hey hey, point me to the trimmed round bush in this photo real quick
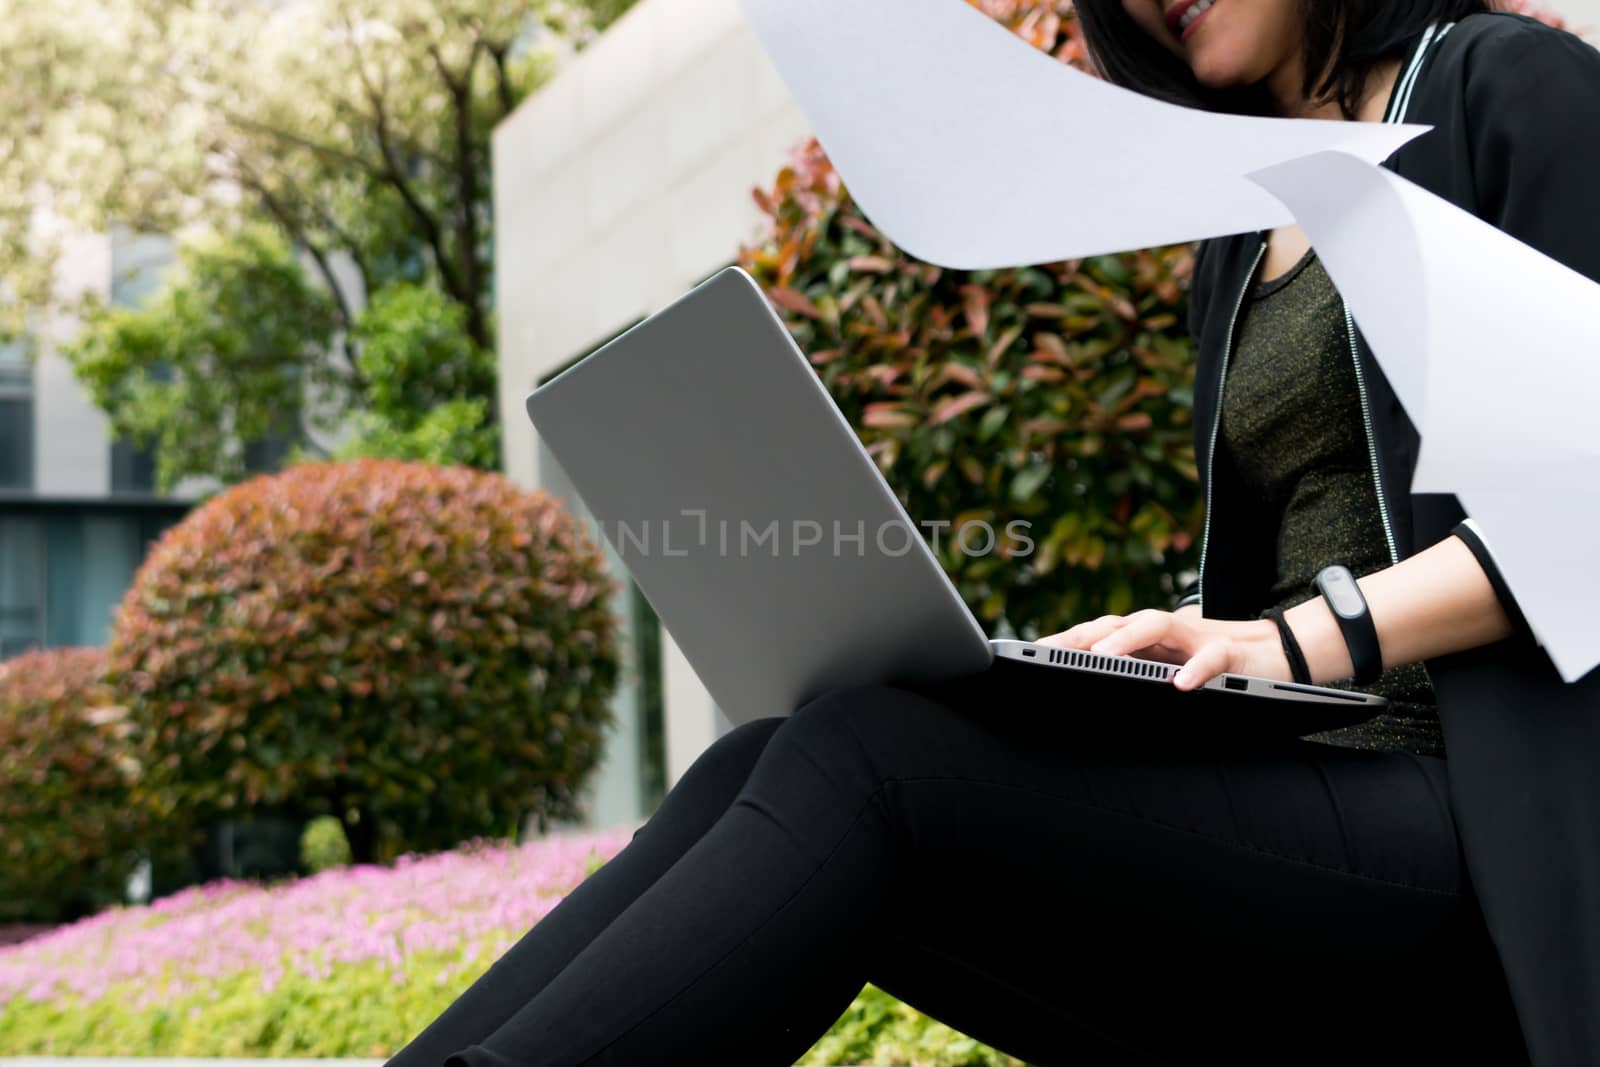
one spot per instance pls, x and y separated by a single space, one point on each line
426 653
68 837
323 846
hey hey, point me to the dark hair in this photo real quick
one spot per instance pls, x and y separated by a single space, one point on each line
1344 39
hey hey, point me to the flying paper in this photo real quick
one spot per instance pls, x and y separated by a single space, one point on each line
1496 367
970 148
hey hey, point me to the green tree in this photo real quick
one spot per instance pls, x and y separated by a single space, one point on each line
227 353
426 382
358 130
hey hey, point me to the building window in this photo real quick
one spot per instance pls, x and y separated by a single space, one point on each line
16 441
89 560
265 455
16 418
21 584
64 570
133 469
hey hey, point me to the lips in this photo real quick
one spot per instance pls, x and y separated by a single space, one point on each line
1185 14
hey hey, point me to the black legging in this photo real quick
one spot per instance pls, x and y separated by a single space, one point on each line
1068 901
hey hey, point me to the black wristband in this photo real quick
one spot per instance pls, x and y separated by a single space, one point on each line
1338 587
1291 647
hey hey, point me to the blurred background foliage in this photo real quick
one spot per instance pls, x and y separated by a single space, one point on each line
70 836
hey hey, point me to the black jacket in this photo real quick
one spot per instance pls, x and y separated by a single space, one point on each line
1515 111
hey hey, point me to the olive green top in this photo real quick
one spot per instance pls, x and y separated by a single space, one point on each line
1292 421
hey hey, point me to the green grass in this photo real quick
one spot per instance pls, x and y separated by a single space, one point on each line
361 1012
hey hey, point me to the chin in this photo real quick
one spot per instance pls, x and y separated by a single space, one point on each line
1216 69
1226 78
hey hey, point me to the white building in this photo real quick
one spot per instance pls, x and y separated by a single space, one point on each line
618 186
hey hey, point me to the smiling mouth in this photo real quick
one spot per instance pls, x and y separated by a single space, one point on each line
1184 15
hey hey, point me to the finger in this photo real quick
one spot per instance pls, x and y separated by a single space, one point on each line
1210 661
1146 628
1085 633
1164 653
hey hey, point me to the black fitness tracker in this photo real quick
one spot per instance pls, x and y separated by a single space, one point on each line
1338 587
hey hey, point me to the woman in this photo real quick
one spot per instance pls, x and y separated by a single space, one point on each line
1121 900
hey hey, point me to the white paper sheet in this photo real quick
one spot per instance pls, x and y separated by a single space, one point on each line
970 148
1494 350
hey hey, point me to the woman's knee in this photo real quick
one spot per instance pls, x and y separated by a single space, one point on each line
730 757
827 766
859 727
715 777
863 710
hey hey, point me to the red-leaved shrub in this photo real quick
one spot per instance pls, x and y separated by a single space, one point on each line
1050 401
68 836
425 652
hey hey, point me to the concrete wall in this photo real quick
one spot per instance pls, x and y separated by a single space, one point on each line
618 186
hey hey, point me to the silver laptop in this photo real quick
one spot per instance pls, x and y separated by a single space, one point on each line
741 501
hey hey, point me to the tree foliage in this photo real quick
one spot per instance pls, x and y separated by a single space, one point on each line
357 129
360 127
227 353
426 382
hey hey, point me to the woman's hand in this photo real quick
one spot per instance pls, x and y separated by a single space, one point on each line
1205 647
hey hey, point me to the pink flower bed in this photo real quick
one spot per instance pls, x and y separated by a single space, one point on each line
480 898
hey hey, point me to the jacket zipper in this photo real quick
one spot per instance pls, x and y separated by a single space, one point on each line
1414 67
1372 443
1216 421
